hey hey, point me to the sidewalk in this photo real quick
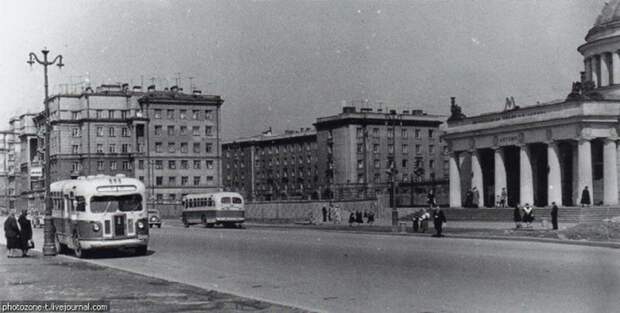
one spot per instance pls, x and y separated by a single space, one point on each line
39 278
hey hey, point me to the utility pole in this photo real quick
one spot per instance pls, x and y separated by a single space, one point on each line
49 248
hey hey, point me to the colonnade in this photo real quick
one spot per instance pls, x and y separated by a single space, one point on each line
603 69
581 169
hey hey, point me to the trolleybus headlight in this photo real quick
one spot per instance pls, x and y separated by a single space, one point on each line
96 227
140 224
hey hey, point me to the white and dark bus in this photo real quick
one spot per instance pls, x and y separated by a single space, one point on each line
99 212
210 209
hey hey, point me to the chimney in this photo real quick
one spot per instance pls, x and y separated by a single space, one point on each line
151 88
452 100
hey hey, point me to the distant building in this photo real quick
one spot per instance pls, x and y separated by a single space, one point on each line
350 155
168 139
270 167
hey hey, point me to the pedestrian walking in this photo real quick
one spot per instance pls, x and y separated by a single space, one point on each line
351 219
475 197
504 198
324 211
337 215
554 215
329 211
430 198
26 232
517 216
424 220
12 235
371 218
585 197
358 217
439 219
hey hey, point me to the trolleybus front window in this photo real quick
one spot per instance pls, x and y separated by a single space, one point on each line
107 204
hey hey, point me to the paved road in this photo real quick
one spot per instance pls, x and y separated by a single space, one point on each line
347 272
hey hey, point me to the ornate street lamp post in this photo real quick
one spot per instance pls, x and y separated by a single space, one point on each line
49 249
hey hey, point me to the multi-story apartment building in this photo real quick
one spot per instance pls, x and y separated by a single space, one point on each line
28 161
268 167
7 170
168 139
354 154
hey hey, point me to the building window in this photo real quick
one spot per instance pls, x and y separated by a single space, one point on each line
417 134
172 180
195 114
124 114
360 148
158 129
209 164
359 132
405 148
430 133
159 180
184 147
183 130
360 163
208 114
100 165
184 180
431 164
209 179
159 164
125 132
208 131
112 148
375 148
208 147
141 164
418 149
75 166
141 178
390 132
75 149
111 131
126 165
75 115
158 147
184 164
172 196
170 114
171 147
159 197
196 130
110 114
170 130
404 163
377 178
183 114
113 165
75 132
125 148
431 149
172 164
196 164
377 163
196 147
99 131
403 133
157 113
99 148
99 114
390 148
196 180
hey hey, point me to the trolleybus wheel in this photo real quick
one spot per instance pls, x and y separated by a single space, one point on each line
77 249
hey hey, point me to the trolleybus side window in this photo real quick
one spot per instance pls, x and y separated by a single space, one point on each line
225 200
80 204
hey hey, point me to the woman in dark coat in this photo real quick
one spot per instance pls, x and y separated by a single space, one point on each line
26 231
585 197
517 216
12 234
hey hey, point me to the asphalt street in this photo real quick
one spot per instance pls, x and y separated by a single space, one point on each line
353 272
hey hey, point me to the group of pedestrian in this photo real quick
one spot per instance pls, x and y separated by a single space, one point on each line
526 215
420 220
331 214
358 217
18 234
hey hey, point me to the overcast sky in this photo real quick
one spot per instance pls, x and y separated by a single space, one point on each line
284 63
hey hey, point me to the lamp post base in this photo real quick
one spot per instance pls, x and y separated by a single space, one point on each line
49 248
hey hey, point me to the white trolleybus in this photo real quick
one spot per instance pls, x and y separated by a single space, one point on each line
209 209
99 212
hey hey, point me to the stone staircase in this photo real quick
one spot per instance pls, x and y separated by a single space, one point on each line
566 214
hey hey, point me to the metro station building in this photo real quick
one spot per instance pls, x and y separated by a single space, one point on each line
547 152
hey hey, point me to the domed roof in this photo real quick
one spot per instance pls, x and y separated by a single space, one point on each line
610 13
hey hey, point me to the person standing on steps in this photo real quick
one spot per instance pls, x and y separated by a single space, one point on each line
585 197
554 215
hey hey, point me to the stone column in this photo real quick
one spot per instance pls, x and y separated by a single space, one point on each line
476 175
526 180
455 182
584 173
615 66
554 191
500 172
596 70
587 62
610 172
605 70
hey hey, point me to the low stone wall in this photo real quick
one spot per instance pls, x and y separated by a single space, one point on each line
291 211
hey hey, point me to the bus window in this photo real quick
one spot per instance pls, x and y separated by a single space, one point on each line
237 200
103 204
81 204
210 202
225 200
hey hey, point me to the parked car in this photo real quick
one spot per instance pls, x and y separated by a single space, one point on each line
154 218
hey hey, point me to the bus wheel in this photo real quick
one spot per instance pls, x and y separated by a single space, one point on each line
77 249
185 223
203 219
141 250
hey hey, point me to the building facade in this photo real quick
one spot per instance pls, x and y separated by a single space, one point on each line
351 155
168 139
548 152
270 167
